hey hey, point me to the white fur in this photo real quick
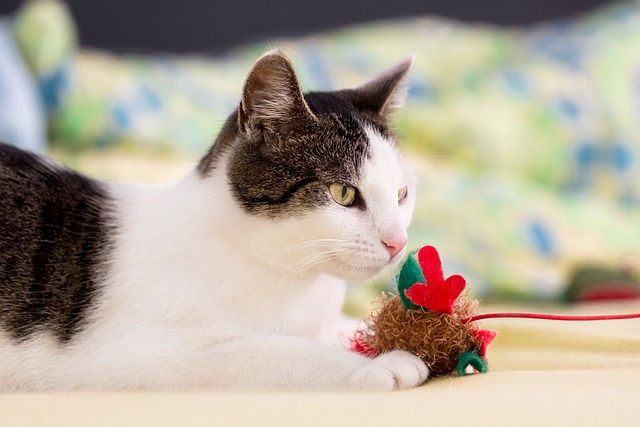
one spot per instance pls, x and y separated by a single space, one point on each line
201 295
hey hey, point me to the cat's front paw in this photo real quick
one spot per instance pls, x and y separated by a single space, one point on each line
395 370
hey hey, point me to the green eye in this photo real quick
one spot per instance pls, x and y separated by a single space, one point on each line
343 194
402 193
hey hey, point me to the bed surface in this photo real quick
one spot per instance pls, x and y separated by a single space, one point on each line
557 373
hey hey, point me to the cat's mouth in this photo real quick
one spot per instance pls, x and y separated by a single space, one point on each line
397 258
364 270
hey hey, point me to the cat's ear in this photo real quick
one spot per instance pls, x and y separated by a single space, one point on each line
386 91
272 96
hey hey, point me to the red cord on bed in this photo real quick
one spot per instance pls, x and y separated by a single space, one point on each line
551 317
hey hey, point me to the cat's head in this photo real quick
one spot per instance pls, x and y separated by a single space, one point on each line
319 176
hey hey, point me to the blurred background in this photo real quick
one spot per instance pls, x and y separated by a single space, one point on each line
206 26
521 121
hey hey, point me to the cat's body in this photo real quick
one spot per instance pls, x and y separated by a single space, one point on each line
233 278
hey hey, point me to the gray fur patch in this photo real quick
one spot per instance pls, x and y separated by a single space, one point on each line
54 240
291 172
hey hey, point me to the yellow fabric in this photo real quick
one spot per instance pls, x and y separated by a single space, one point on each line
542 373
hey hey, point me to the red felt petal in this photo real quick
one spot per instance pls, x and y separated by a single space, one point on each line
436 298
437 294
431 266
456 285
419 294
358 346
486 337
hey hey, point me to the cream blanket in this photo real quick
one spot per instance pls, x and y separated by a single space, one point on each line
553 373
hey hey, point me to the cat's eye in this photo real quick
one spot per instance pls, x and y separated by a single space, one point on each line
343 194
402 193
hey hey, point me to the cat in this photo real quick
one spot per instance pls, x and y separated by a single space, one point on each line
231 279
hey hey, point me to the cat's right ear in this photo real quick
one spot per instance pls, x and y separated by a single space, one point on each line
385 92
272 97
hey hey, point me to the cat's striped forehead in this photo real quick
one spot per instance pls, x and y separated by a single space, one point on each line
339 105
283 149
292 175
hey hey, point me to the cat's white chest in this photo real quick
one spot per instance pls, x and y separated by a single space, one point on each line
308 310
317 308
190 255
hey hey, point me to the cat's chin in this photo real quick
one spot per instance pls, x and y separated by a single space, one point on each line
363 271
360 273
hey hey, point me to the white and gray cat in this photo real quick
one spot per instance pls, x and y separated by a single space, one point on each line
234 277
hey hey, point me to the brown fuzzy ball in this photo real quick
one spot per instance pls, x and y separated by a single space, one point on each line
436 338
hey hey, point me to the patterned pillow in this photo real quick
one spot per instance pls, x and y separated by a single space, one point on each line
22 119
526 140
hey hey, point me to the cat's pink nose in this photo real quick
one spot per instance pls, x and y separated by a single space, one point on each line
395 246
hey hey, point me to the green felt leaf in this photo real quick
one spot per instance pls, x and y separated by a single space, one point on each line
471 358
409 275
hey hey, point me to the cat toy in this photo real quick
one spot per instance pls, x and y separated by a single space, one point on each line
432 318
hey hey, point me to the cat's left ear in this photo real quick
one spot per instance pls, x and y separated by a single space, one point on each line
385 92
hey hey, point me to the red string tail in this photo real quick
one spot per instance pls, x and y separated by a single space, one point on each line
516 315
